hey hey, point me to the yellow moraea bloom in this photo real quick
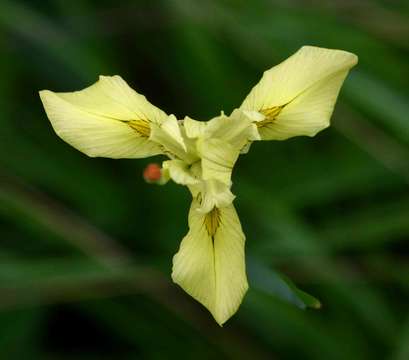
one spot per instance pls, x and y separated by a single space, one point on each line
109 119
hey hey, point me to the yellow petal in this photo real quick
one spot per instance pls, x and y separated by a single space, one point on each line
180 172
112 97
169 135
308 113
280 88
92 133
214 194
218 159
210 264
194 128
236 129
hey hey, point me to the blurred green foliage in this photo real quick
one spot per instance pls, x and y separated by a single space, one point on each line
86 245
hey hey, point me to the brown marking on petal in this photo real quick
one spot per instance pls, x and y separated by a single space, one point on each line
270 114
212 221
141 127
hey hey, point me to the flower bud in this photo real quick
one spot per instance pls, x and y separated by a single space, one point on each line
152 173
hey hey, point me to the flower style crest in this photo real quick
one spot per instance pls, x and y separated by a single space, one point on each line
109 119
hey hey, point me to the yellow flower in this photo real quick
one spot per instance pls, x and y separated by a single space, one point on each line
109 119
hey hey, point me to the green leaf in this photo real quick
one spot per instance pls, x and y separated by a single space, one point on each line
270 282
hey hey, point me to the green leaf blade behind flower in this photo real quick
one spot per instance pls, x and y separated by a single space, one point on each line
272 283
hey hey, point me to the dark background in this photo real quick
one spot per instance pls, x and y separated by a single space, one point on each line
86 245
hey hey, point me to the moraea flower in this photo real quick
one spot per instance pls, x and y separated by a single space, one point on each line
109 119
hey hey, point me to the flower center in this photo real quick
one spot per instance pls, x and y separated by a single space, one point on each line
270 114
212 221
141 127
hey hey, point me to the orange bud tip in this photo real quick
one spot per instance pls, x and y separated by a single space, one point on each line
152 173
